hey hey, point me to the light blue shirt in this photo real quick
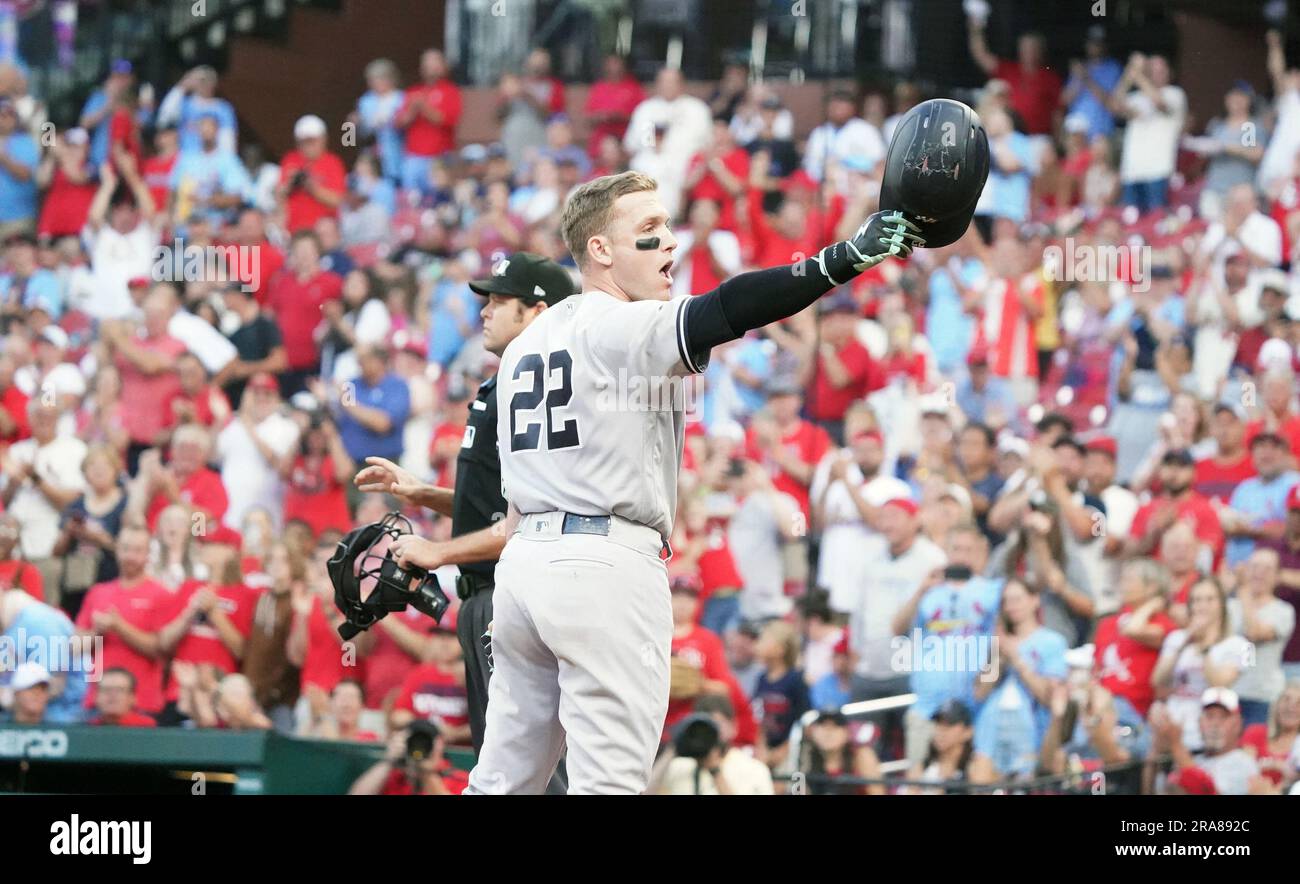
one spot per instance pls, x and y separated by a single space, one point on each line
445 338
391 396
18 198
377 113
211 174
1106 72
41 627
1011 189
100 134
1262 502
1011 724
949 328
958 622
754 355
43 288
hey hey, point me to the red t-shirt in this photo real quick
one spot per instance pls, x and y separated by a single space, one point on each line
620 98
66 207
144 394
1256 737
201 401
444 448
130 719
302 210
201 643
1183 589
22 575
323 665
202 490
704 650
14 402
425 138
1193 507
806 441
717 567
387 665
454 779
432 693
267 262
157 174
1124 665
771 249
123 132
297 304
827 402
1034 94
316 496
710 188
1216 480
145 607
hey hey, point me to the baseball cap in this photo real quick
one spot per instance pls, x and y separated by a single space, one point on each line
833 715
1180 457
840 301
687 583
474 153
1076 124
1013 445
529 277
121 66
952 712
905 504
782 385
224 535
1225 697
52 334
1104 445
1233 409
771 102
28 675
136 282
868 434
978 356
263 380
309 126
1274 279
76 136
1270 437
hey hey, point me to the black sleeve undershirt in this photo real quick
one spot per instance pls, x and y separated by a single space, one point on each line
761 297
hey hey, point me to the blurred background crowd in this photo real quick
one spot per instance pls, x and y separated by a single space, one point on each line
1020 512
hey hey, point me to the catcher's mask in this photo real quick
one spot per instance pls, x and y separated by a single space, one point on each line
935 169
368 584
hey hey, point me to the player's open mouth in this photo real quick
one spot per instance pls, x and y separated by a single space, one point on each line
664 271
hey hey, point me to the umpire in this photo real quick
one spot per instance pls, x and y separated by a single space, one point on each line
517 292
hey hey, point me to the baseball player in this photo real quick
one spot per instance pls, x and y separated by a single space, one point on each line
583 619
519 290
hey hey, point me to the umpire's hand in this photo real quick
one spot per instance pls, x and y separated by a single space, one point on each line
410 550
382 476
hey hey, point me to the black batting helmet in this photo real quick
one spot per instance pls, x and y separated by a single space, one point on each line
936 167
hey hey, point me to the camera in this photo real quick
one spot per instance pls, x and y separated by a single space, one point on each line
421 740
298 179
697 736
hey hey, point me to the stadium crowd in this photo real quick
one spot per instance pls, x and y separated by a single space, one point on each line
1044 479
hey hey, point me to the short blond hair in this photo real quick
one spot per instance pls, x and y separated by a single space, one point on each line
591 208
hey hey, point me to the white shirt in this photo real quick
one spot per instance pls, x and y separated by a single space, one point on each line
251 481
886 585
1264 237
744 776
726 251
856 138
1188 678
202 339
845 537
1151 136
1121 507
59 462
115 259
1284 143
689 125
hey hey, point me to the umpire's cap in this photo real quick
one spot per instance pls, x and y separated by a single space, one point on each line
936 167
528 277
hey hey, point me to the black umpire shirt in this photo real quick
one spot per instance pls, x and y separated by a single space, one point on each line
478 501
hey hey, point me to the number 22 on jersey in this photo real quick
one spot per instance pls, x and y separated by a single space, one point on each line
552 388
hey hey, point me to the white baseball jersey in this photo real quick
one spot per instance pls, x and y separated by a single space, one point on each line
591 402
